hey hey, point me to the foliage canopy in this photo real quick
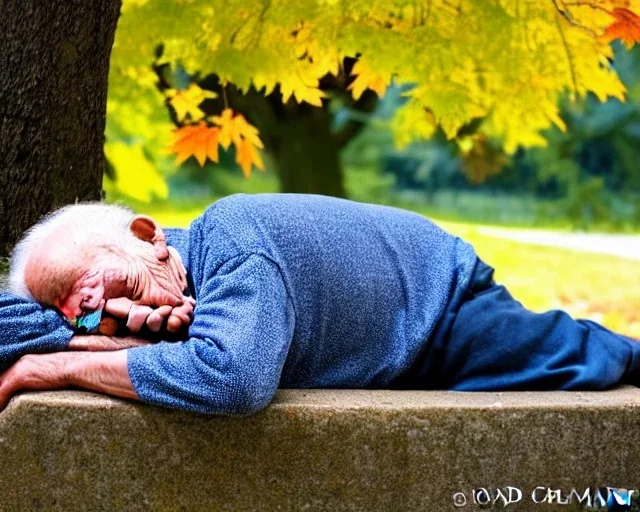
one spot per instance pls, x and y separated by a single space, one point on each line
501 64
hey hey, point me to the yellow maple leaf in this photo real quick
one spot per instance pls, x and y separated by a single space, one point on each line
506 62
199 140
366 78
227 127
412 122
234 127
303 86
246 131
187 101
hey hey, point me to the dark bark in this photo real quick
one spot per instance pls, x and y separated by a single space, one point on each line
54 62
306 155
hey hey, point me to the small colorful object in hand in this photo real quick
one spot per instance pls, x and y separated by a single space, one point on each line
89 323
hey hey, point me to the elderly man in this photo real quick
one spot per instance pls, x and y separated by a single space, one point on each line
290 290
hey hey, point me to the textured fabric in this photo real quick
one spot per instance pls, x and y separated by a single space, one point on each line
487 341
27 328
300 291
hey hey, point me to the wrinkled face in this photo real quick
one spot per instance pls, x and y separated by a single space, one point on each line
141 268
141 277
87 295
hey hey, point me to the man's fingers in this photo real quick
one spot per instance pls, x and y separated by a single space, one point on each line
157 317
175 314
164 297
174 324
137 317
119 307
183 313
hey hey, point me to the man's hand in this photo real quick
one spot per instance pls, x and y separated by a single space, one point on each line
137 316
105 372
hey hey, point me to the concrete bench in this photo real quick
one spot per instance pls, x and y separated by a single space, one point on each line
319 450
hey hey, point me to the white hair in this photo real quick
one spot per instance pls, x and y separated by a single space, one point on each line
82 221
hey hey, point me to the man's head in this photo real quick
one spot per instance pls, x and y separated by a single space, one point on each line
83 254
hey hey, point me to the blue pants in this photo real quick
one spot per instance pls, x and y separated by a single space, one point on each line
488 341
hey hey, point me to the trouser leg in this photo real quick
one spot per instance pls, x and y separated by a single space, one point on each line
495 343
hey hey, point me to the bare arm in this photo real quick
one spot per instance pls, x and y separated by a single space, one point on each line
95 362
105 372
100 343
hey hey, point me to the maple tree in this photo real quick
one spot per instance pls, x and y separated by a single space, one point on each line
254 74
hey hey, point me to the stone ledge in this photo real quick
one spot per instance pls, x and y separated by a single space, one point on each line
315 450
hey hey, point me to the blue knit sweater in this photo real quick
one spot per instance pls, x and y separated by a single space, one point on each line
296 291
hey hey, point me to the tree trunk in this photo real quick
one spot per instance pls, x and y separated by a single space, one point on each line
306 155
54 62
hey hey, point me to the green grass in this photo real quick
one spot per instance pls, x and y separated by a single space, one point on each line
602 288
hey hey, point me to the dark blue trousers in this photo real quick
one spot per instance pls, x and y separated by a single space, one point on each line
486 341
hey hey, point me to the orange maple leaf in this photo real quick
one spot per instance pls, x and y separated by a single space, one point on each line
625 27
199 140
234 128
247 155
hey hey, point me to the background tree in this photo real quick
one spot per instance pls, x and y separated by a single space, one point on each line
481 70
54 61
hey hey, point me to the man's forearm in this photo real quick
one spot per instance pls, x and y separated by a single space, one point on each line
105 372
101 343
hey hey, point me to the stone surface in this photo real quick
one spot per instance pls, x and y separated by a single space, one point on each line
315 450
54 61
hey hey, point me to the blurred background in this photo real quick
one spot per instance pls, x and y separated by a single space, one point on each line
559 223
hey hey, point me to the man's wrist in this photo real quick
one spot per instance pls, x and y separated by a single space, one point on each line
105 372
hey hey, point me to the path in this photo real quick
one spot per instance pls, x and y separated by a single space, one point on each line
626 246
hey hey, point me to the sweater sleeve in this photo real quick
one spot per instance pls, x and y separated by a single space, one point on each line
238 342
28 328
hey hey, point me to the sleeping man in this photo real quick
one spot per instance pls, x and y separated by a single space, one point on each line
293 291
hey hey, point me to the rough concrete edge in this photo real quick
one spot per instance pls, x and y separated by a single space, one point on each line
354 399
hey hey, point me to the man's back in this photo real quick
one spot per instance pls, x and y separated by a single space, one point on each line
367 283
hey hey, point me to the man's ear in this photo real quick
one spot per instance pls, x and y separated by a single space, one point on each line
148 230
